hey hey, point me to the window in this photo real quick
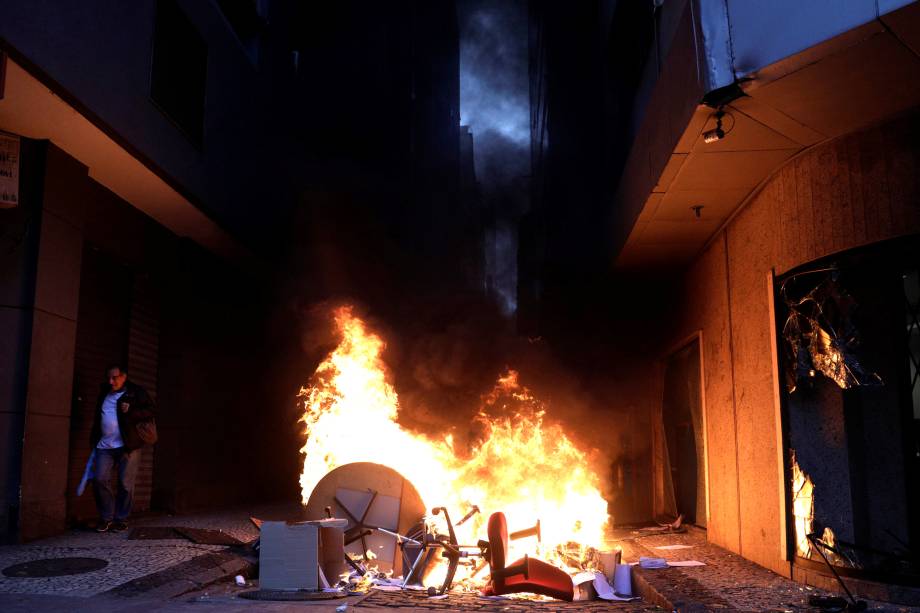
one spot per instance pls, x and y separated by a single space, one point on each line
851 327
179 71
912 306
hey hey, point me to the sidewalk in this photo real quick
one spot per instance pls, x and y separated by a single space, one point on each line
131 562
177 575
727 582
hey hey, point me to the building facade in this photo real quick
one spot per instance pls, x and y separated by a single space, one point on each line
772 179
175 160
146 199
757 193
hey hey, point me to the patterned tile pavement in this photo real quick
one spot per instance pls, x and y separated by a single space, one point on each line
128 559
727 582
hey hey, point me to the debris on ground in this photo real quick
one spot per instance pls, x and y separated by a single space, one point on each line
649 562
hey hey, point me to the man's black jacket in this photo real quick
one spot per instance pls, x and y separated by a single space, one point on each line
140 409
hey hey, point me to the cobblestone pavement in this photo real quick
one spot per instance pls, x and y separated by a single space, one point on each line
128 560
728 582
473 602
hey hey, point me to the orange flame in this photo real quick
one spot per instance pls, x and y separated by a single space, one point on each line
803 513
803 508
522 465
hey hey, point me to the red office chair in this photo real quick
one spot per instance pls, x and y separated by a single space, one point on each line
526 575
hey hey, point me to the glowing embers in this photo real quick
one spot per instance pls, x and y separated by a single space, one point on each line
517 462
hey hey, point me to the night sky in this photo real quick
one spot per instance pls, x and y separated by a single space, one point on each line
494 99
495 103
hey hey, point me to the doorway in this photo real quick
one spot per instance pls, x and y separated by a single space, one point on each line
682 424
117 320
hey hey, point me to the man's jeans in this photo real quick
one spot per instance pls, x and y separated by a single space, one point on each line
125 463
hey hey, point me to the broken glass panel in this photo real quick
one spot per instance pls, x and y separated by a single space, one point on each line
912 303
819 333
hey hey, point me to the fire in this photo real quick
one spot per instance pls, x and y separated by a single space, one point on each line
521 464
803 508
803 512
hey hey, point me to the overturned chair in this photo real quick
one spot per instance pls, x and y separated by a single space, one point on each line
525 575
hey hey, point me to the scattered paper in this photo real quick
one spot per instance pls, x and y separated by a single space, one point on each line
605 591
87 473
341 608
646 562
669 547
387 588
438 597
686 563
583 577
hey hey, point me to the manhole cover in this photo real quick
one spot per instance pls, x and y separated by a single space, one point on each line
55 567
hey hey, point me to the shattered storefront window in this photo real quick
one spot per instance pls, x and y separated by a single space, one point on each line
850 343
819 333
912 304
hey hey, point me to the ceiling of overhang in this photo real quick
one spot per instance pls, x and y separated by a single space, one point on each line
851 81
30 109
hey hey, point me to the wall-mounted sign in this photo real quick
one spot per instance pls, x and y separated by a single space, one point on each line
9 171
2 74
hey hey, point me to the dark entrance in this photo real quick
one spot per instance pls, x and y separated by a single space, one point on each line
682 416
117 320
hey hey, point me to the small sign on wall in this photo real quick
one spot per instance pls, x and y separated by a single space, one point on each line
9 170
2 74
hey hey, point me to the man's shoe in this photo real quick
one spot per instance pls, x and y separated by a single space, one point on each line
103 526
119 526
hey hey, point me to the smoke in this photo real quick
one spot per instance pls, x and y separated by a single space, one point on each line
494 92
444 360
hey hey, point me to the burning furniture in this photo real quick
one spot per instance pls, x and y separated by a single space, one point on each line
512 456
294 554
525 575
378 503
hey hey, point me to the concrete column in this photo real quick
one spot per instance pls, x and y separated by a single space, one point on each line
49 378
18 259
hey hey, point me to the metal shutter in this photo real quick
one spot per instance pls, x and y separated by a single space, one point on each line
102 337
143 351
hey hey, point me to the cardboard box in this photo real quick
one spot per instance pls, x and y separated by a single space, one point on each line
289 556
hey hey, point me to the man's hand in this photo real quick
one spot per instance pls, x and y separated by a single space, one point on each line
124 406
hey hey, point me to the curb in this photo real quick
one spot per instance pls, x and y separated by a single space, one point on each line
670 589
194 574
642 587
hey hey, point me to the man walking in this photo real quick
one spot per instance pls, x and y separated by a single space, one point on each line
121 406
